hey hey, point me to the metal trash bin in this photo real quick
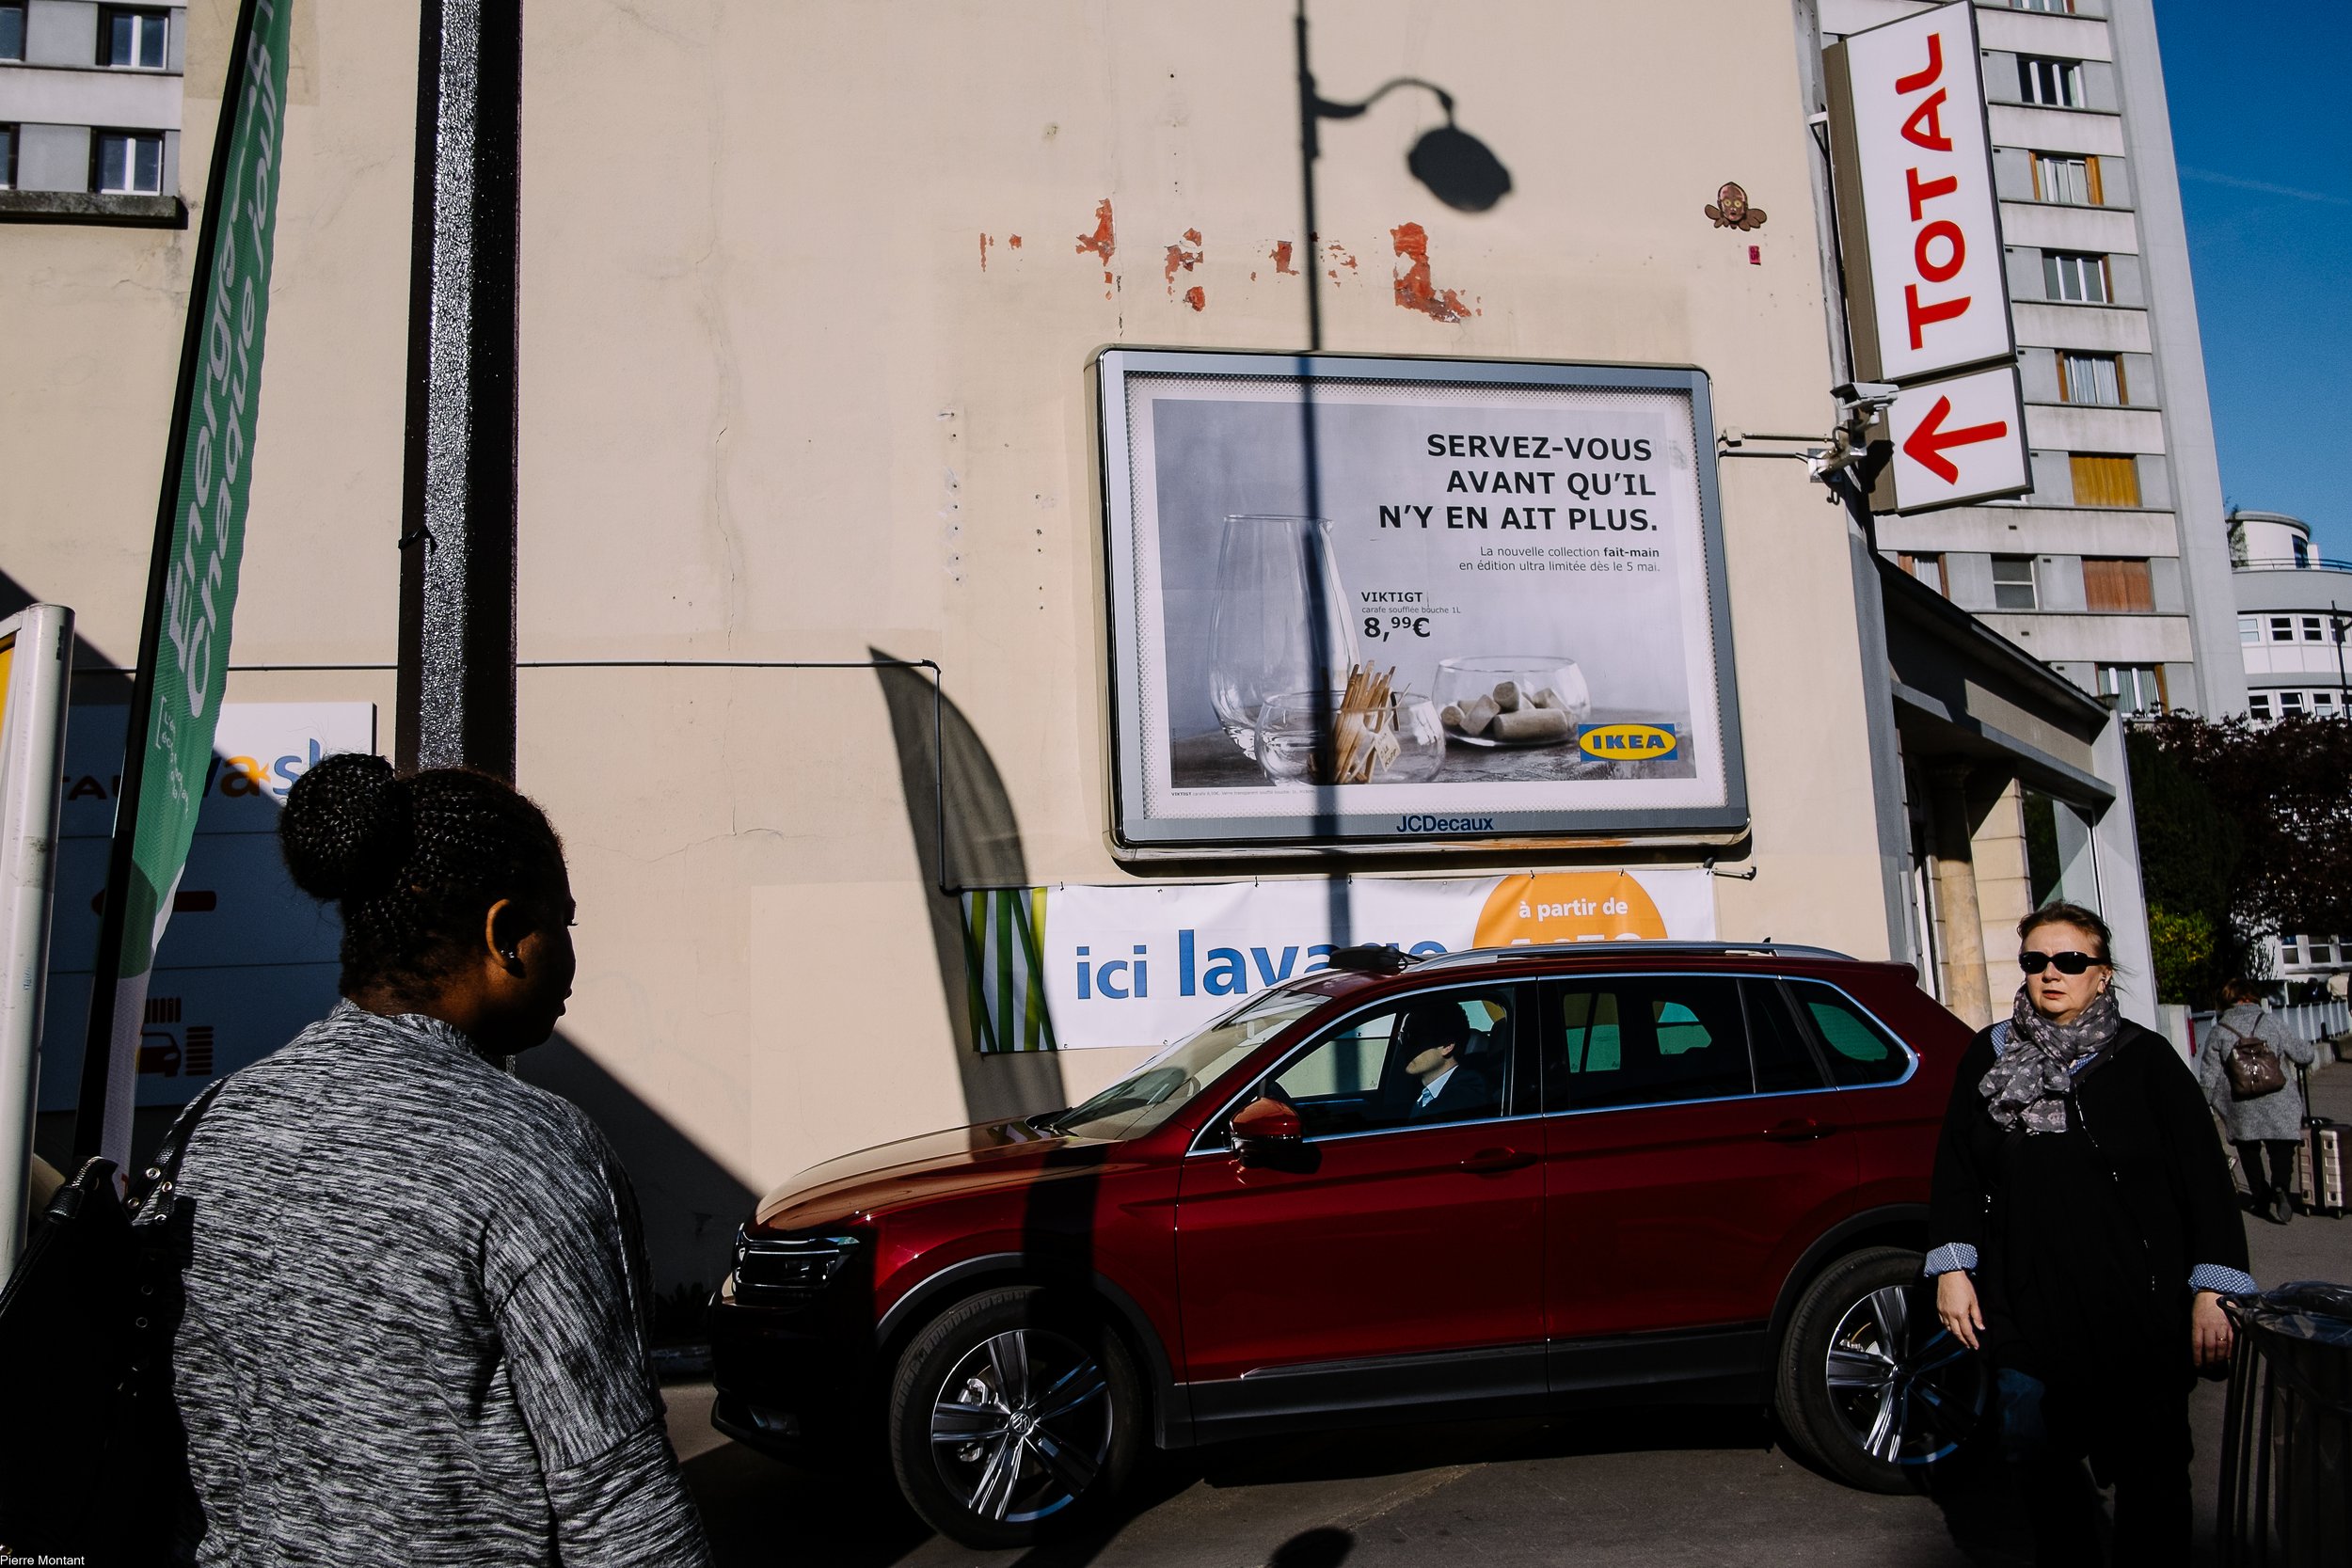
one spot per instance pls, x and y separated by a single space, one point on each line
2287 1443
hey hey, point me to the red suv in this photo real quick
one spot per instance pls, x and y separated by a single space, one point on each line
1486 1182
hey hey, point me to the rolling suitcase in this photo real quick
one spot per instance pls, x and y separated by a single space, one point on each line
2319 1166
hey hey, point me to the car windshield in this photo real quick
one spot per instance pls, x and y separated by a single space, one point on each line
1167 1082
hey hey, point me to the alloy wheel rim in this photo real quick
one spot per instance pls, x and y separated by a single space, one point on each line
1903 1395
1022 1425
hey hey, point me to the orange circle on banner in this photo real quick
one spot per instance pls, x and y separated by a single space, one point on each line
1567 906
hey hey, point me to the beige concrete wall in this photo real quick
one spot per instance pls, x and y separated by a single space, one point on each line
2004 888
781 399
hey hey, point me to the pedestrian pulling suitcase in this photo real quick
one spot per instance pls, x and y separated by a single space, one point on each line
2319 1162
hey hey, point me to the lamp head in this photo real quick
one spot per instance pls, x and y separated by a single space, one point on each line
1459 169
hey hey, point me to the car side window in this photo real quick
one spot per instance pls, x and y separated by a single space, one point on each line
1646 1040
1856 1051
1785 1061
1438 1058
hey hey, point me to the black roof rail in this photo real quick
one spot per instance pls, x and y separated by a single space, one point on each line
1644 948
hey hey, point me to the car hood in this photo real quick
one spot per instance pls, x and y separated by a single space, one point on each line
931 1164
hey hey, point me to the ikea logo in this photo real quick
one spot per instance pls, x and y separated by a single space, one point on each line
1626 742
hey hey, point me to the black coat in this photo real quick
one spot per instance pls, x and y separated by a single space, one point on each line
2085 1239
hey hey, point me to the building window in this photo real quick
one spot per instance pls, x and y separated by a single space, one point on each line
2249 628
2104 481
2310 629
2137 688
11 32
2012 582
2091 378
2052 84
133 41
2056 7
2117 583
2290 704
129 163
7 157
2282 628
2302 554
2081 279
2070 178
2323 704
2258 707
2290 950
1927 568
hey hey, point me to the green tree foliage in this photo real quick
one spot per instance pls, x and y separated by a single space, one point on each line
2249 827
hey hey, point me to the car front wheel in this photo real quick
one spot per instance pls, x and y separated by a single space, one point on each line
1872 1386
1016 1413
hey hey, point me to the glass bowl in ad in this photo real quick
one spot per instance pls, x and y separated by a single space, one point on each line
1402 742
1512 700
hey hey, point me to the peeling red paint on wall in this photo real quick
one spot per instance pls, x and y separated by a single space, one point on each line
1414 290
984 243
1336 252
1101 242
1197 297
1281 256
1184 255
1013 240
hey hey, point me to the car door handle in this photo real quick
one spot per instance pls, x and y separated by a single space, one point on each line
1489 1161
1797 1129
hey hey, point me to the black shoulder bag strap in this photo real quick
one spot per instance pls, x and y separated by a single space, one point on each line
150 1190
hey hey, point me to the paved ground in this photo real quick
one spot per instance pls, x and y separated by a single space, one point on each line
1686 1487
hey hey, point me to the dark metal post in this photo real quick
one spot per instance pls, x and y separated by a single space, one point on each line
456 679
2344 687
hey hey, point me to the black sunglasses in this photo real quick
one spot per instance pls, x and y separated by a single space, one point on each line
2068 963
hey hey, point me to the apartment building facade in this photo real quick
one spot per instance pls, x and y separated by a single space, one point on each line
2114 570
2294 611
90 104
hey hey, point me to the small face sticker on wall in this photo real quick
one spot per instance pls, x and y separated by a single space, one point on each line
1730 210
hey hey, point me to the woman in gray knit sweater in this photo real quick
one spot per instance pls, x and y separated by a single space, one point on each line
417 1305
2269 1124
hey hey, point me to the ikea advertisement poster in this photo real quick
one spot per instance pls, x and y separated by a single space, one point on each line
1405 601
1141 965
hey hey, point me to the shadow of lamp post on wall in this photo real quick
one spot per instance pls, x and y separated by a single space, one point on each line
1458 169
1464 173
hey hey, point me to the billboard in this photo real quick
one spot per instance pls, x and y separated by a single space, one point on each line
248 959
1387 603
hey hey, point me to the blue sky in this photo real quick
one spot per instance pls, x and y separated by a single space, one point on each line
2264 148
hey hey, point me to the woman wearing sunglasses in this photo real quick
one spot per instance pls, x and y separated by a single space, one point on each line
2083 1227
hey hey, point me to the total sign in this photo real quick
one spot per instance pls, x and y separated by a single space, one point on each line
1920 227
1926 293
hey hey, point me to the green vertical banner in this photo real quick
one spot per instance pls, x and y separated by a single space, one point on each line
1004 966
192 578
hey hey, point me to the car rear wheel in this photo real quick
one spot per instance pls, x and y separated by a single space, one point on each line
1011 1415
1872 1386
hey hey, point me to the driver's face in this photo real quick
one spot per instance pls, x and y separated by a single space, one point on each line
1428 1059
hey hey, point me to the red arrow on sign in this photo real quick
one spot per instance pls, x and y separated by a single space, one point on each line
1927 443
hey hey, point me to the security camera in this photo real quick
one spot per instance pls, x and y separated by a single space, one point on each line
1867 394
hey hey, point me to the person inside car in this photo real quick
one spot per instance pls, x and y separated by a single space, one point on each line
1433 1038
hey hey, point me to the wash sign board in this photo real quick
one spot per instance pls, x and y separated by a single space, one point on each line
1920 237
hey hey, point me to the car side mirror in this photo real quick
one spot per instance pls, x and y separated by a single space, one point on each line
1265 1127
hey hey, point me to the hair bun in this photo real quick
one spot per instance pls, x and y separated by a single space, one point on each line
347 828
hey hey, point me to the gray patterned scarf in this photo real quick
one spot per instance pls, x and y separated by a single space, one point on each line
2028 1083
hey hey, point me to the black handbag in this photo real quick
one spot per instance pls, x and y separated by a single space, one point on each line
93 1455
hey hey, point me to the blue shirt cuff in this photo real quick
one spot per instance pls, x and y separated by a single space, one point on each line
1956 1255
2229 1281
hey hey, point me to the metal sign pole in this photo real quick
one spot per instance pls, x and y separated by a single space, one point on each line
36 657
